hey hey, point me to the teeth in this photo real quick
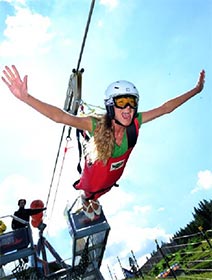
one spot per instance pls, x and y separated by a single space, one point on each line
125 115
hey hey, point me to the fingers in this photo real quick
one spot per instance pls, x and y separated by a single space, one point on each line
9 74
202 73
201 81
16 72
202 76
5 81
25 81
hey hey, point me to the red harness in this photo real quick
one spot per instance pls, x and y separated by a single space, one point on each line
98 178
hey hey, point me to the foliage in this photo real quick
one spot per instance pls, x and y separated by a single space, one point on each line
202 217
192 248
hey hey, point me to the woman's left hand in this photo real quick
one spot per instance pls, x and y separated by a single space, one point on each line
201 81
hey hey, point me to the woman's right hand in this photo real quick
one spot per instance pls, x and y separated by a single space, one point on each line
12 79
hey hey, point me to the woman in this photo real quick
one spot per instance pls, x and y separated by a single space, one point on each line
113 135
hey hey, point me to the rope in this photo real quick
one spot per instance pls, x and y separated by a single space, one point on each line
55 165
92 108
85 34
61 139
60 174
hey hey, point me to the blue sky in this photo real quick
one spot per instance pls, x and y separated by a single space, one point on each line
159 45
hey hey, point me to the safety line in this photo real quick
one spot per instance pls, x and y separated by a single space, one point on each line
60 174
77 69
55 165
85 34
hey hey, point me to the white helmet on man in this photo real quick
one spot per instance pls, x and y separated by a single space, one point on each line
119 88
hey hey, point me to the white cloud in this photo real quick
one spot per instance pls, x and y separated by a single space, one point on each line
100 23
14 1
129 229
142 209
26 33
129 237
109 3
161 209
204 181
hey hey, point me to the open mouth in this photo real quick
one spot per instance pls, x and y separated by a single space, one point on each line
126 116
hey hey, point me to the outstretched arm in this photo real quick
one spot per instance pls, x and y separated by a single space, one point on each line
35 211
172 104
19 89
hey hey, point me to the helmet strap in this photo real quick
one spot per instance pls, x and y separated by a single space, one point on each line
119 123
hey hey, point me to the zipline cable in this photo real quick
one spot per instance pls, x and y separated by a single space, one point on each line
55 165
70 99
85 34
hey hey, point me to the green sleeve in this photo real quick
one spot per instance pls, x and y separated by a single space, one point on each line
94 123
139 117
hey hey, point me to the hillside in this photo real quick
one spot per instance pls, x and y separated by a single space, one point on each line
189 253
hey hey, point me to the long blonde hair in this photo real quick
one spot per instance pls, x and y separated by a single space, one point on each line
101 145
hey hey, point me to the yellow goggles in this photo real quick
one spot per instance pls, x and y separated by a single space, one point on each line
122 102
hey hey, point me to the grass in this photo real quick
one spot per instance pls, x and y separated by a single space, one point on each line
194 261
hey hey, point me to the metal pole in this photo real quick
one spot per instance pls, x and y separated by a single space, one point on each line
121 268
205 236
110 272
167 263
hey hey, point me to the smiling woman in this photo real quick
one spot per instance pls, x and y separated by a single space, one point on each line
113 135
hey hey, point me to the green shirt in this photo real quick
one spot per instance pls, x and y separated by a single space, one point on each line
118 150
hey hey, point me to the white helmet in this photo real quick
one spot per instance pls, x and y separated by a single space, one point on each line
120 88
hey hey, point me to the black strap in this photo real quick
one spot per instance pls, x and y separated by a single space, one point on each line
86 137
131 135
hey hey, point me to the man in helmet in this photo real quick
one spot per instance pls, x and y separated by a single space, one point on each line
111 135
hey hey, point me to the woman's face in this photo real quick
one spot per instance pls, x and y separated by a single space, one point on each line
124 116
